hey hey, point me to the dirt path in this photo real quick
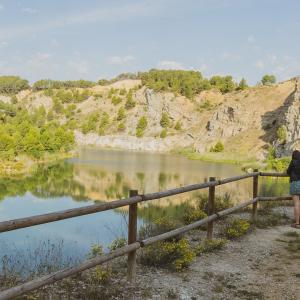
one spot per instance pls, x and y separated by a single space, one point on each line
256 267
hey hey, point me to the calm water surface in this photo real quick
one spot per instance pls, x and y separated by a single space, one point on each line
105 175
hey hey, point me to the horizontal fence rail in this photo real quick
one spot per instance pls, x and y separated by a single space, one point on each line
91 209
133 244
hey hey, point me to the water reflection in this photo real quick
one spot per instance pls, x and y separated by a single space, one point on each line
103 176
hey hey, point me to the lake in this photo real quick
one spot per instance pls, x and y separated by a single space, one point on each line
104 175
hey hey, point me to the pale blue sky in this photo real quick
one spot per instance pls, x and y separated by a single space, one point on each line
72 39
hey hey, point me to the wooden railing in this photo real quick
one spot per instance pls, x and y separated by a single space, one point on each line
133 243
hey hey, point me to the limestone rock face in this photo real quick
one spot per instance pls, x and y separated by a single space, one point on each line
291 124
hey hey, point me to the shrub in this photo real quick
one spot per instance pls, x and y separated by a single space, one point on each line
210 246
242 85
165 120
156 227
121 114
235 228
130 103
192 214
178 125
117 243
281 134
186 83
219 147
12 84
163 133
121 126
141 126
45 84
176 255
116 100
268 79
221 202
122 92
223 83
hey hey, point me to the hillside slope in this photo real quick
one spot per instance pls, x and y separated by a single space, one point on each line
246 122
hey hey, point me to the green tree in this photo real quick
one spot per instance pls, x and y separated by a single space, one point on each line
268 79
165 120
121 114
141 126
242 84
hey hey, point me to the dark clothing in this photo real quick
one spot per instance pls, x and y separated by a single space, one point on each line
294 170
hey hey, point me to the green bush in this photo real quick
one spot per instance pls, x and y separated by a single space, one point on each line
116 100
193 214
165 120
12 84
121 114
221 202
176 255
117 243
223 83
178 125
268 79
219 147
242 85
141 126
163 133
235 228
281 134
186 83
210 245
121 126
45 84
130 103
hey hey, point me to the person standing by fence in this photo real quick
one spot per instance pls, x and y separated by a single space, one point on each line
294 172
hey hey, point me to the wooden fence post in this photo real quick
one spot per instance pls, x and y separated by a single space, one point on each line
254 194
132 237
211 208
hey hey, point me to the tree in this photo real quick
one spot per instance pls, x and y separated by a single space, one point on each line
165 120
242 85
268 79
12 84
141 126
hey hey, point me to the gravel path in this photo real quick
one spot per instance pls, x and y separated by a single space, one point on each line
256 267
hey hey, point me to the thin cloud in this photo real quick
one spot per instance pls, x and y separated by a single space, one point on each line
79 67
120 60
259 64
1 7
119 13
29 10
170 64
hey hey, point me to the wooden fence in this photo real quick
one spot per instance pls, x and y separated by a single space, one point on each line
133 243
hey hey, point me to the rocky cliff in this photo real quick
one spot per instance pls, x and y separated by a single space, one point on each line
246 122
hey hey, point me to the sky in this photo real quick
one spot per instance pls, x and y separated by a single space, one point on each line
72 39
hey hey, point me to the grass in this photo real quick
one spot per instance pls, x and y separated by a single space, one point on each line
218 157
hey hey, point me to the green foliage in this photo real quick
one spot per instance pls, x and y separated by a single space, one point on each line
30 134
46 84
95 250
176 255
117 243
277 164
206 105
219 147
186 83
122 92
210 245
223 83
141 126
116 100
165 120
91 123
268 79
281 134
193 214
130 103
221 202
12 84
104 121
122 76
121 114
121 126
163 133
235 228
242 84
178 125
157 226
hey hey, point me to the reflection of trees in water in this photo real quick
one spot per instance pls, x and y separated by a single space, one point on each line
46 181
